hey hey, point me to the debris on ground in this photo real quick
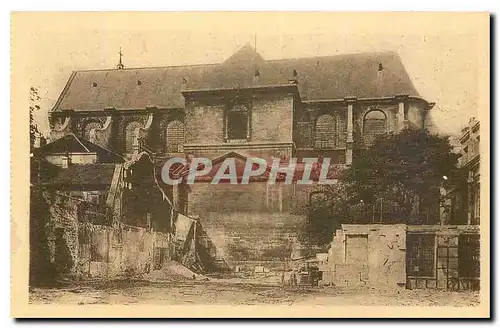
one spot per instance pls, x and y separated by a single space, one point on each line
173 270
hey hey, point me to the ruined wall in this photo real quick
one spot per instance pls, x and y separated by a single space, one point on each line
362 255
89 250
125 250
61 232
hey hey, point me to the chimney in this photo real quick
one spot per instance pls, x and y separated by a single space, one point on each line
256 76
294 78
380 73
43 141
184 84
66 161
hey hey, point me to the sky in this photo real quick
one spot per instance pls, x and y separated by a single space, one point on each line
444 54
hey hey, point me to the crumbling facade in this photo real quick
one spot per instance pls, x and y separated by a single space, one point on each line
82 221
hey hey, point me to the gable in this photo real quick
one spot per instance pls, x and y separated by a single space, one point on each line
70 144
220 165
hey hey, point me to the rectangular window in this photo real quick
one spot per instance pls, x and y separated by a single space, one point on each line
305 137
476 199
237 122
420 255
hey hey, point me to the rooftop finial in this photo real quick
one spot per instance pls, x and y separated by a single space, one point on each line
120 64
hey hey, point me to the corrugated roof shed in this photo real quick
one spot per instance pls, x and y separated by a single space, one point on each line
72 144
82 175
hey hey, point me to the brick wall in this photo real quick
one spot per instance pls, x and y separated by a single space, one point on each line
270 127
272 119
204 123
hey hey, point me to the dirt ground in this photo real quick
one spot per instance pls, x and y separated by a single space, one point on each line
236 292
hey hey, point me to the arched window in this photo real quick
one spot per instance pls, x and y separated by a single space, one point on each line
175 136
130 129
326 131
374 124
88 127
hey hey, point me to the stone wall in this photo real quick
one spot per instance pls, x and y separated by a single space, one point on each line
362 255
254 197
249 239
416 116
309 114
390 111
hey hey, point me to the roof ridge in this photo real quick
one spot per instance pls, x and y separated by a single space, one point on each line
105 149
81 143
166 86
144 67
220 63
366 53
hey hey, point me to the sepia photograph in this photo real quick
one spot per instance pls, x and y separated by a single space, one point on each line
271 164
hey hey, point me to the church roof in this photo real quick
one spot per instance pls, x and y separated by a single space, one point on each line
363 75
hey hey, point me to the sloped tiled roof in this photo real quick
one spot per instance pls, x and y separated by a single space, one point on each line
89 174
320 78
72 144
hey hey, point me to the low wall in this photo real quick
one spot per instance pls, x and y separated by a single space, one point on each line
363 255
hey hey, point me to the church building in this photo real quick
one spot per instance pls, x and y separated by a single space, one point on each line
246 106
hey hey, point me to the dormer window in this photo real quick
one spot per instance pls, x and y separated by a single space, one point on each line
237 122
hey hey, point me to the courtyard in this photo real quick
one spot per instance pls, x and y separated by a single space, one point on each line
240 292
